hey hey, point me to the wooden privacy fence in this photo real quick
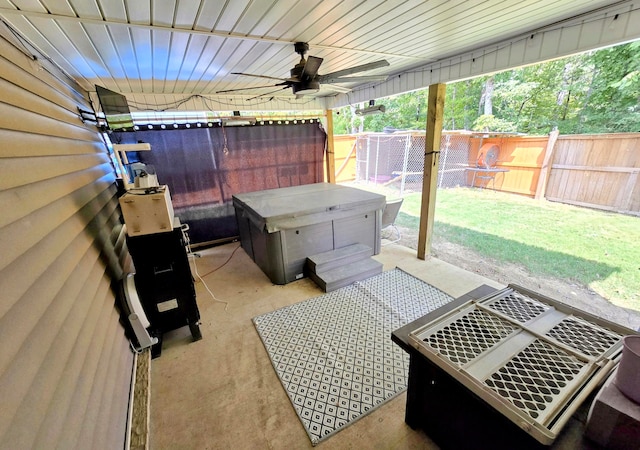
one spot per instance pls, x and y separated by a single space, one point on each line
344 148
521 156
597 171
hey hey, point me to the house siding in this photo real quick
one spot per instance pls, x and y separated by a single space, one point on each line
65 363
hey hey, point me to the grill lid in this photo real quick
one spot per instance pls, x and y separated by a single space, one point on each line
531 358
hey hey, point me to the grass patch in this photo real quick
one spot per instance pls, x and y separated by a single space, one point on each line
594 248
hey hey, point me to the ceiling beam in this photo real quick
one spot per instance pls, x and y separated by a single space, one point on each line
226 35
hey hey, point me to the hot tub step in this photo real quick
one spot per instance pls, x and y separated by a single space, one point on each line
332 259
338 277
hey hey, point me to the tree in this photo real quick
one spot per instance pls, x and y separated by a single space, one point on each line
403 112
595 92
614 91
460 106
488 122
486 99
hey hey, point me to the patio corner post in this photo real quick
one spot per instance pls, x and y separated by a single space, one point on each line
331 161
435 111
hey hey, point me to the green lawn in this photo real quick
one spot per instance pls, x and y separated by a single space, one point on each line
596 249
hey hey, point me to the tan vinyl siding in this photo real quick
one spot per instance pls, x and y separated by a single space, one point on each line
65 363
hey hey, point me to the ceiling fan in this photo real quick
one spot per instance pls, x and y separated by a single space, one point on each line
305 79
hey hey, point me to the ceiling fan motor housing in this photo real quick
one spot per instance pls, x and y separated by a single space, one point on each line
296 71
307 87
301 48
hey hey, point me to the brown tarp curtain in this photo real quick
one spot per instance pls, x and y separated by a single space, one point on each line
204 167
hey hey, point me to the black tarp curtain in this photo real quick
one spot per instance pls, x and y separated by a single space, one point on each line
204 167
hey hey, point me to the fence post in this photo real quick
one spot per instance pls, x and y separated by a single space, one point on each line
405 163
543 179
368 159
331 161
447 144
377 159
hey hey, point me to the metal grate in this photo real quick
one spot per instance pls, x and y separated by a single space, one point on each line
531 358
585 337
468 336
535 377
519 307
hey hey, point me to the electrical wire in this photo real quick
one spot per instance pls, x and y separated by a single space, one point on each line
225 148
162 107
195 269
224 263
193 256
134 349
23 42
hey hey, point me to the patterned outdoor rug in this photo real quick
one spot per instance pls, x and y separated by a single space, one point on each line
334 354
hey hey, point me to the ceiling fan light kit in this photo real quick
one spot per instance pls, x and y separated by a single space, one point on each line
304 77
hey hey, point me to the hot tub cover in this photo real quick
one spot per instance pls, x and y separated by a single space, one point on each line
297 206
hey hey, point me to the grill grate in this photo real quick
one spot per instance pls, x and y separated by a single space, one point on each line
585 337
470 335
529 357
519 307
535 377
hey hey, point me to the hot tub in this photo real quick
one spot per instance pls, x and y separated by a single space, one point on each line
280 228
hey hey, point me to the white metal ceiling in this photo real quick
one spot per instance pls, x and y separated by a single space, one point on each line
162 51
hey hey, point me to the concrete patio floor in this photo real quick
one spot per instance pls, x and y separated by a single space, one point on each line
222 392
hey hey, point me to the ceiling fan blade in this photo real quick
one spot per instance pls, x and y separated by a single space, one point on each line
267 93
335 88
311 68
352 70
253 87
259 76
362 79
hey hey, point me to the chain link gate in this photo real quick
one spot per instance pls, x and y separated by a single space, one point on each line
398 160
